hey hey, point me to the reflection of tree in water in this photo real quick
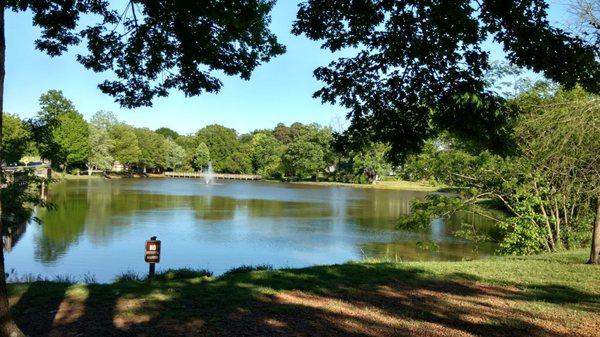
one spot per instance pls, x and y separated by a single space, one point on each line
213 207
409 251
61 226
446 247
103 209
19 197
110 203
263 208
379 209
483 225
12 234
99 208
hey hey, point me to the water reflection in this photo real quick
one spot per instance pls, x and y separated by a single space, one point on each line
13 235
224 225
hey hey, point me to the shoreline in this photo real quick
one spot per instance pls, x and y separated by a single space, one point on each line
516 295
399 185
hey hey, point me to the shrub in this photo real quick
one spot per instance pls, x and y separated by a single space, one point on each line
182 273
248 268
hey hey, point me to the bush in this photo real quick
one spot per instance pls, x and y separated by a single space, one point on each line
129 276
247 268
182 274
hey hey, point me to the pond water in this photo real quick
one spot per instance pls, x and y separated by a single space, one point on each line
99 227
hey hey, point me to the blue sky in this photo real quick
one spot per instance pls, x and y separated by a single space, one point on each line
280 91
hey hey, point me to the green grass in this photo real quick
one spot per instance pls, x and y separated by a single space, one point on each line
556 285
69 176
382 185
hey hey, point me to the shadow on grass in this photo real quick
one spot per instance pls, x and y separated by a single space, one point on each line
346 300
44 311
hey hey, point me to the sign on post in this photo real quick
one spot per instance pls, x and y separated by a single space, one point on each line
152 256
152 250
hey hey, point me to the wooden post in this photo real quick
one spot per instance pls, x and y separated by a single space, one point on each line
152 256
151 271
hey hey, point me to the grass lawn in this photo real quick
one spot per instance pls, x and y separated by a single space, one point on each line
546 295
383 185
68 176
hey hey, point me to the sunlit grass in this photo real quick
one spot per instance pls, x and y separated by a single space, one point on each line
556 285
383 185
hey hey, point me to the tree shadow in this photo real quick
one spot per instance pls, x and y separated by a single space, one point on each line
346 300
29 305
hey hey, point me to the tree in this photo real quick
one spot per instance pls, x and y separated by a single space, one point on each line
53 107
16 138
239 161
189 143
100 144
266 152
304 159
175 155
588 13
286 134
60 131
549 191
221 142
100 141
152 149
371 157
309 153
561 136
104 119
419 67
167 133
125 148
71 139
201 156
151 47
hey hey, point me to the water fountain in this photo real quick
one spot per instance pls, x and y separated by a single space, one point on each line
208 174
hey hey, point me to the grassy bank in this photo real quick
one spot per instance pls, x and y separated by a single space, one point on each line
67 176
546 295
383 185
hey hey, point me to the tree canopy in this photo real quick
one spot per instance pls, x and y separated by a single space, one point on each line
152 148
125 148
53 104
16 138
419 67
309 153
71 137
201 156
549 190
154 46
222 142
167 133
100 145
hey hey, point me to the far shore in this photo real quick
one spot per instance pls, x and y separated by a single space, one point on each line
382 185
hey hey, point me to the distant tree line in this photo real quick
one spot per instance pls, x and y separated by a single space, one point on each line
60 134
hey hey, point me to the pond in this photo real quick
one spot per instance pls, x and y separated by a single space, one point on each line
98 227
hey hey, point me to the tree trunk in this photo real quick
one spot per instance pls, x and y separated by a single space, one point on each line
595 252
8 327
